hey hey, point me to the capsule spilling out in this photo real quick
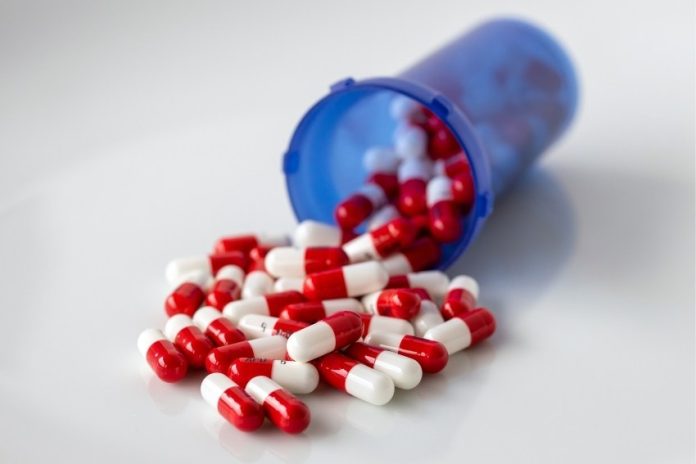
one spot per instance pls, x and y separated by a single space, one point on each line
293 262
333 333
385 214
352 280
210 265
428 317
217 327
188 296
434 282
189 339
257 326
461 296
443 212
245 243
257 259
298 378
269 305
404 372
431 355
381 242
385 324
286 412
220 358
351 212
463 330
165 360
400 303
414 175
227 287
313 311
424 253
232 402
317 234
354 378
257 283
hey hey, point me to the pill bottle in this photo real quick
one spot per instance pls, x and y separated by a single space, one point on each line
505 89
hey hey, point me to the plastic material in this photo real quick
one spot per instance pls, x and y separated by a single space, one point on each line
505 89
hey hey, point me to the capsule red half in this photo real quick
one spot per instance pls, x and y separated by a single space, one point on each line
463 191
217 327
245 243
286 412
232 402
189 339
355 209
227 287
382 241
444 216
442 144
399 303
461 296
413 177
431 355
188 296
168 363
220 358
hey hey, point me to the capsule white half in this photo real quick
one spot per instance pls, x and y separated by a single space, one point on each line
369 385
404 372
453 334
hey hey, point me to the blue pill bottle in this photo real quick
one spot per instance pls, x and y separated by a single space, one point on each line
505 89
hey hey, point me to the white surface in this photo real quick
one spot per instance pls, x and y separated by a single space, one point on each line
136 132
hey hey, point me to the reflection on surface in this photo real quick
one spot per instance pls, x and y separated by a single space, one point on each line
165 396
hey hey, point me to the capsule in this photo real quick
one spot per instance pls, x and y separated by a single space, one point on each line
245 243
404 372
188 296
293 262
269 305
463 191
283 409
383 241
207 264
434 282
403 108
428 317
220 358
257 283
463 330
358 380
332 333
188 338
313 311
444 217
421 255
414 175
316 234
298 378
381 159
217 327
285 284
385 324
232 402
385 214
257 326
399 303
431 355
352 280
168 363
257 259
461 296
227 286
410 142
352 211
442 144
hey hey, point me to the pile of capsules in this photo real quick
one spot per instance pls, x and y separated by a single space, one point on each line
268 317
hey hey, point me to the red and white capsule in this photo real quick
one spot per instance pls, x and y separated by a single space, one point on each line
332 333
217 327
210 265
444 217
257 326
245 243
188 296
188 338
461 296
168 363
257 283
285 284
257 259
232 402
463 191
428 317
227 286
414 175
434 282
313 311
317 234
410 142
421 255
431 355
293 262
352 211
385 324
220 358
286 412
404 372
356 379
352 280
269 305
463 330
298 378
383 241
399 303
385 214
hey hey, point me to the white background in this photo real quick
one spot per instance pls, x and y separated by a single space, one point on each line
135 132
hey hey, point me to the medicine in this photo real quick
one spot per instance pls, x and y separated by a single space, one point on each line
188 296
358 380
442 144
285 284
403 108
316 234
423 254
404 372
227 286
413 176
297 378
245 243
380 159
332 333
188 338
283 409
208 264
293 262
232 402
257 259
428 317
352 280
463 191
168 363
385 324
434 282
269 305
461 296
220 358
351 212
385 214
431 355
313 311
257 283
217 327
257 326
410 142
444 217
383 241
463 330
398 303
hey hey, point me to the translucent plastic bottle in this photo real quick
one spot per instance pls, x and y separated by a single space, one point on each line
505 89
